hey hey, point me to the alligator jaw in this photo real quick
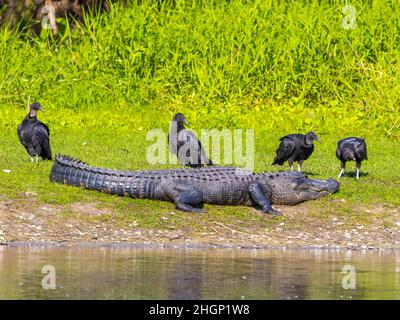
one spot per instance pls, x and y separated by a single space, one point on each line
330 186
313 189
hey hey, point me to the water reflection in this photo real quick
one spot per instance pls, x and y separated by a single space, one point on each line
155 273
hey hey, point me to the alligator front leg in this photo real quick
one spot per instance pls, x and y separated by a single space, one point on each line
262 195
184 195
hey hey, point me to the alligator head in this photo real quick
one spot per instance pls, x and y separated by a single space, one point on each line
313 189
292 188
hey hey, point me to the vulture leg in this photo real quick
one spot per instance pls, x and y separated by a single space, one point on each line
358 165
37 159
299 165
342 165
32 160
291 165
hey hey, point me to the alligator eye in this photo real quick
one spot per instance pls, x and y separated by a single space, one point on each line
296 183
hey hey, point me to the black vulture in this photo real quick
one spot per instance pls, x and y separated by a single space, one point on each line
185 145
295 147
351 149
34 135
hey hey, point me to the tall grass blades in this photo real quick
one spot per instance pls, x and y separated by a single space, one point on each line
272 65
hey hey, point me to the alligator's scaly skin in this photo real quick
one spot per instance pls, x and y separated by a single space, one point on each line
189 188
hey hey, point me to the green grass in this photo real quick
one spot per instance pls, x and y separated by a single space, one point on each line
378 185
275 67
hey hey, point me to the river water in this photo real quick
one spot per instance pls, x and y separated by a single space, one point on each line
115 272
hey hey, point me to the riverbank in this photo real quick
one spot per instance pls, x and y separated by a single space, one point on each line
93 223
364 214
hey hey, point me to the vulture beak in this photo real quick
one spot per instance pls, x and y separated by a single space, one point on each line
185 121
318 140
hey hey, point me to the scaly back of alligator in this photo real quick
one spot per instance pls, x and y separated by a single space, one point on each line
137 184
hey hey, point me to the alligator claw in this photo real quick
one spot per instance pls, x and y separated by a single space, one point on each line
197 210
188 208
273 212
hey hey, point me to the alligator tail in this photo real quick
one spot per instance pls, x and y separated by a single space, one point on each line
67 170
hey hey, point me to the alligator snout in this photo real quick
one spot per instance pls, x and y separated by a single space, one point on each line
332 185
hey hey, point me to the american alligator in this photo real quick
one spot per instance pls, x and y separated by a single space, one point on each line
190 188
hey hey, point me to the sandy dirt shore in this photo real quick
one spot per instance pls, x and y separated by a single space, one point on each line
45 224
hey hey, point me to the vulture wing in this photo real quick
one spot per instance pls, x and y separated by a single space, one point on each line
195 148
285 150
42 133
361 150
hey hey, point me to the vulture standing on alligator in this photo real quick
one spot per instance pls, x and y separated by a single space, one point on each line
185 145
34 135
